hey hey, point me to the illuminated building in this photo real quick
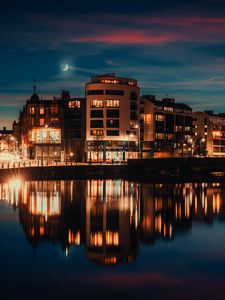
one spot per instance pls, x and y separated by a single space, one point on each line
53 130
40 125
73 127
112 118
112 218
209 133
8 141
166 127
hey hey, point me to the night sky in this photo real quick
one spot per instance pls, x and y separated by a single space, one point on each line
171 48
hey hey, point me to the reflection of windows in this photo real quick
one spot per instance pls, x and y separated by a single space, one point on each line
96 238
112 103
42 121
74 104
112 238
97 103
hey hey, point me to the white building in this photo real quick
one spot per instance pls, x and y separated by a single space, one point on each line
112 118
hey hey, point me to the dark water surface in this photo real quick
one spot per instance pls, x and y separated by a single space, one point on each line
111 239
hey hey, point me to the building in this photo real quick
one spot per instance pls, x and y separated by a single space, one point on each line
8 141
74 127
40 124
166 127
112 118
209 132
53 130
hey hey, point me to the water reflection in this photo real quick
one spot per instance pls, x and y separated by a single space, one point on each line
111 218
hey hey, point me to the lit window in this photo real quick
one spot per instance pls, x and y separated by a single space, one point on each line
159 136
112 103
42 121
159 117
114 81
54 110
112 238
97 132
97 103
31 110
74 104
169 109
42 110
130 82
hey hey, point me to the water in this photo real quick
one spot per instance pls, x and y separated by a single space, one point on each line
111 239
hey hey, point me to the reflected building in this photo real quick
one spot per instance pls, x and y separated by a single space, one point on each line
112 214
110 219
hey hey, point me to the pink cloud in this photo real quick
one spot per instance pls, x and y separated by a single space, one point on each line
127 36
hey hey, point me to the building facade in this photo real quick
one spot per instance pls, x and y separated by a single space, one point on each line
166 127
209 133
74 127
8 141
40 125
112 118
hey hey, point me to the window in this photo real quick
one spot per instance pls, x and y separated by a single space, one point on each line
96 103
54 110
133 124
133 96
159 117
133 115
159 136
31 110
130 82
42 121
97 113
170 109
32 122
97 124
97 132
74 104
133 106
114 92
147 118
42 111
95 92
114 81
112 133
113 123
112 113
112 103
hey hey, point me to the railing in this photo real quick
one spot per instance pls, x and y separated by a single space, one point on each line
38 163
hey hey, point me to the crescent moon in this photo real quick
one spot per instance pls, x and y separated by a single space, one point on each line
65 68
